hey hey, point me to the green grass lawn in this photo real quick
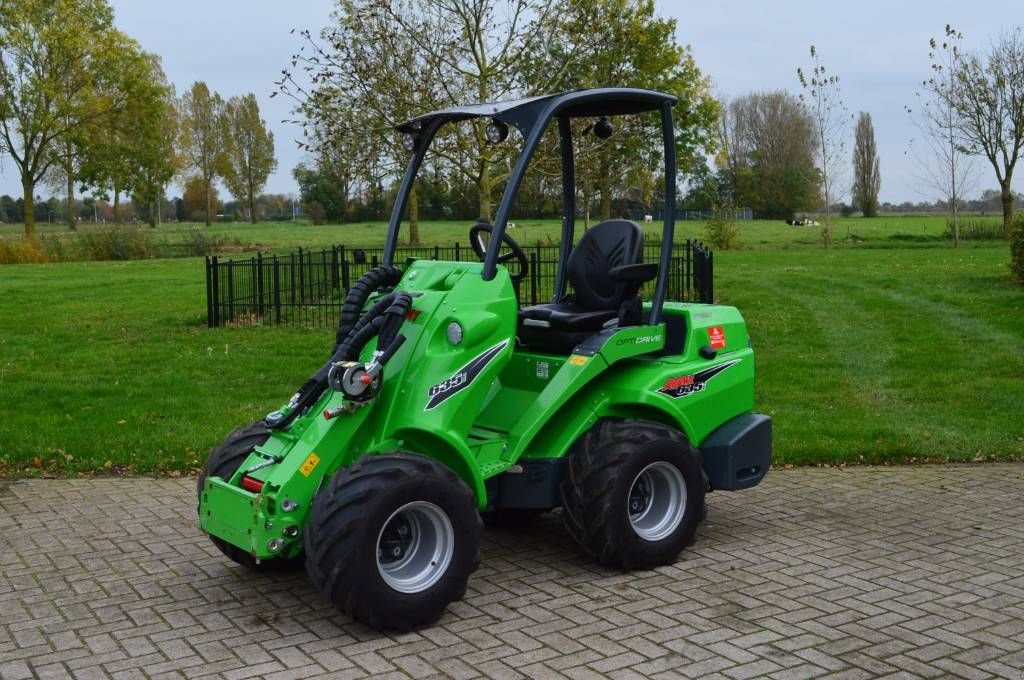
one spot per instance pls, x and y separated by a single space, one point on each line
863 355
885 232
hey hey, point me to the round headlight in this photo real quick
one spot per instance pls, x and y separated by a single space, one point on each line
454 333
275 544
496 132
409 142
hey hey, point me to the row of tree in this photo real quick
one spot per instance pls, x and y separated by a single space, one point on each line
384 61
83 106
381 63
190 206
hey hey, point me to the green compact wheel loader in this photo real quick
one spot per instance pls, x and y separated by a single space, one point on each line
443 401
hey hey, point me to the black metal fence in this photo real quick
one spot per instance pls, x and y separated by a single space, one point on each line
308 287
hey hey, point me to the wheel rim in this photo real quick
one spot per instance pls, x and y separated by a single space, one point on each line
415 547
657 501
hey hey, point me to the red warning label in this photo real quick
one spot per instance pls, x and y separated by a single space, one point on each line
716 337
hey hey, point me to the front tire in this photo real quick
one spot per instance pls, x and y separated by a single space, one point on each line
393 539
634 494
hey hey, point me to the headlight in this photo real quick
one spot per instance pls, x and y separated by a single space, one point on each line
409 142
454 333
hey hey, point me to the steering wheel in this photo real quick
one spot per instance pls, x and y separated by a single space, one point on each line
517 253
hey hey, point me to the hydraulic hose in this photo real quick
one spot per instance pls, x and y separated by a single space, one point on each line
350 322
359 293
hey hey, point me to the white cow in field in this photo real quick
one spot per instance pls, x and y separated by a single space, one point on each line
648 218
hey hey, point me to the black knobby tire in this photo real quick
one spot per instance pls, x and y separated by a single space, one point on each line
602 468
347 522
222 462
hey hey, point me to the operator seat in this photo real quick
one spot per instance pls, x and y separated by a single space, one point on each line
605 270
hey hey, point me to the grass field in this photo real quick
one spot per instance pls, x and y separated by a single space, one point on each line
864 354
884 232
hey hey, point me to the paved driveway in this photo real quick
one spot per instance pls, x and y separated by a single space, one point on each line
913 571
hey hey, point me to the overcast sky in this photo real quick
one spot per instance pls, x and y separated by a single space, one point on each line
878 47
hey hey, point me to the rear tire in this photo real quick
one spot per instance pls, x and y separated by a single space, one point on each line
222 462
634 494
393 539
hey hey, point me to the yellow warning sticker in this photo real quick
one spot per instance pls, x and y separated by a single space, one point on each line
307 467
577 360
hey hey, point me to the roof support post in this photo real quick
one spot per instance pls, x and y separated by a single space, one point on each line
568 205
668 231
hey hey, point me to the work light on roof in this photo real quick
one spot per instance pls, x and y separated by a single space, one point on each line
496 132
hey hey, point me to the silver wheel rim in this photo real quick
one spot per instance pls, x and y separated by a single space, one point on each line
415 547
657 501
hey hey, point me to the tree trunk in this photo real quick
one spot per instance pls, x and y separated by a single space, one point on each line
414 216
209 204
956 223
154 211
69 171
117 205
605 188
1006 195
28 187
252 199
485 187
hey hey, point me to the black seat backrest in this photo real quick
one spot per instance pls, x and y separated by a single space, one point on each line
609 244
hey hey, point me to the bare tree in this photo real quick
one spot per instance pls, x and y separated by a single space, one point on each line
867 179
988 98
944 163
822 95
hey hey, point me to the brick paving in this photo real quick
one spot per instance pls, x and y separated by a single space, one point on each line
855 573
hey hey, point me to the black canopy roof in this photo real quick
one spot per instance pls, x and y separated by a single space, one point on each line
599 101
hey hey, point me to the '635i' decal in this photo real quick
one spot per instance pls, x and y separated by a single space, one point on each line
685 385
462 378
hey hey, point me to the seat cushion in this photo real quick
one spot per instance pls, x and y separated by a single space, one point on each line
565 316
557 328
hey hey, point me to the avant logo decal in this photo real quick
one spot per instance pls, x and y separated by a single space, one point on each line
462 378
685 385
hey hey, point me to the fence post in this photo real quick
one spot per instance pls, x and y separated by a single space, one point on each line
335 268
216 290
302 279
277 293
710 276
209 295
231 290
458 255
291 269
687 269
533 278
536 268
328 276
259 282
